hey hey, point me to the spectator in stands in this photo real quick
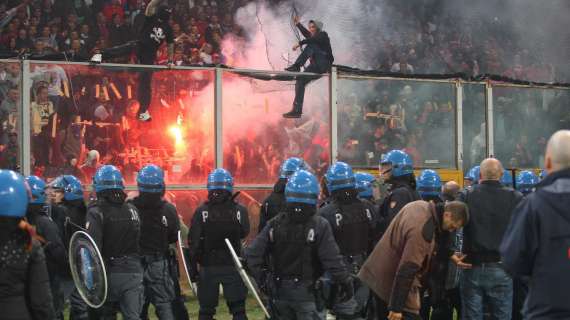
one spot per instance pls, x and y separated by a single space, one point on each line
42 109
206 53
23 42
112 8
8 113
402 66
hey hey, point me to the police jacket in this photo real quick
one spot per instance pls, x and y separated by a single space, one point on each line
352 222
24 280
490 207
159 224
400 194
537 245
296 250
115 227
273 205
55 253
211 224
75 212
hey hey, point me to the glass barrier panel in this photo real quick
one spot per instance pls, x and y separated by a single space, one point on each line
474 128
10 110
524 119
256 136
376 116
86 116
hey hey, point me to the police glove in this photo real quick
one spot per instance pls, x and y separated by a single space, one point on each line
346 290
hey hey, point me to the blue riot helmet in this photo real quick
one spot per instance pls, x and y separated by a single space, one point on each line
151 179
526 181
57 183
364 183
108 177
400 161
73 189
290 166
14 194
340 176
302 187
429 183
37 189
507 179
220 179
474 175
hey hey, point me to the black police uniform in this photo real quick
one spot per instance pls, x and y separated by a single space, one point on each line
353 226
401 193
159 228
154 32
115 227
24 281
55 254
273 205
288 257
213 222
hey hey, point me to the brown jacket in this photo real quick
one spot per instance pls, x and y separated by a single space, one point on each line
408 241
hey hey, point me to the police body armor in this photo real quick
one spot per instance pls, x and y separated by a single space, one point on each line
220 221
293 249
154 229
275 204
119 223
352 229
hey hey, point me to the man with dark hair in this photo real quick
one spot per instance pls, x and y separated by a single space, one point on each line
318 50
485 281
404 254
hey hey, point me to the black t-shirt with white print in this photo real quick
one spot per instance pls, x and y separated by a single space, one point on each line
153 34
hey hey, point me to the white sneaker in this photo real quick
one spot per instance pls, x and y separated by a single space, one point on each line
145 116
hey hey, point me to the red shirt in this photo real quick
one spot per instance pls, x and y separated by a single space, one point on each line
110 10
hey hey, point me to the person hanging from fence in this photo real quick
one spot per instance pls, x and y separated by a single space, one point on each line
318 51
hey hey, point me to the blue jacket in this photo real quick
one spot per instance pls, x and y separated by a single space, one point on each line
537 244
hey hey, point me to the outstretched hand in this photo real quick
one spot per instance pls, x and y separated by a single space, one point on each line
458 260
295 47
296 19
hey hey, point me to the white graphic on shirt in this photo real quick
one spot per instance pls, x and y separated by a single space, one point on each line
157 34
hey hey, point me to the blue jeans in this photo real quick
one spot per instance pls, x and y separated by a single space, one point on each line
486 285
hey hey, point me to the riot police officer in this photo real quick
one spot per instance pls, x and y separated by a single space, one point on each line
353 228
220 217
507 179
294 250
24 280
472 177
275 203
159 228
365 186
68 208
429 186
526 182
115 227
54 249
397 169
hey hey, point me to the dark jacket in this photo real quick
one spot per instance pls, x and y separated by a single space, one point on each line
56 257
490 206
401 193
537 245
397 263
320 39
24 281
273 205
159 224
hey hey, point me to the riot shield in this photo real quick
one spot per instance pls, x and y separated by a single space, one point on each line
87 269
246 278
182 253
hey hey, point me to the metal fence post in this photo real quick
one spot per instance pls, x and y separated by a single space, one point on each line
333 95
459 123
218 117
489 120
25 118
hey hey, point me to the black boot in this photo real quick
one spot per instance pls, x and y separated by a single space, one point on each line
293 68
292 115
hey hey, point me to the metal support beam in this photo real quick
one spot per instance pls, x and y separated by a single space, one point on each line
490 137
25 118
333 95
218 117
459 123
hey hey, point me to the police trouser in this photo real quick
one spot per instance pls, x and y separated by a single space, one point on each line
319 64
295 300
125 289
78 309
158 285
235 292
144 93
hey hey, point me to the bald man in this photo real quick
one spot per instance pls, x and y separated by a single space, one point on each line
537 241
485 282
450 191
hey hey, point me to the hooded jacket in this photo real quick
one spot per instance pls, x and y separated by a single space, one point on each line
537 245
